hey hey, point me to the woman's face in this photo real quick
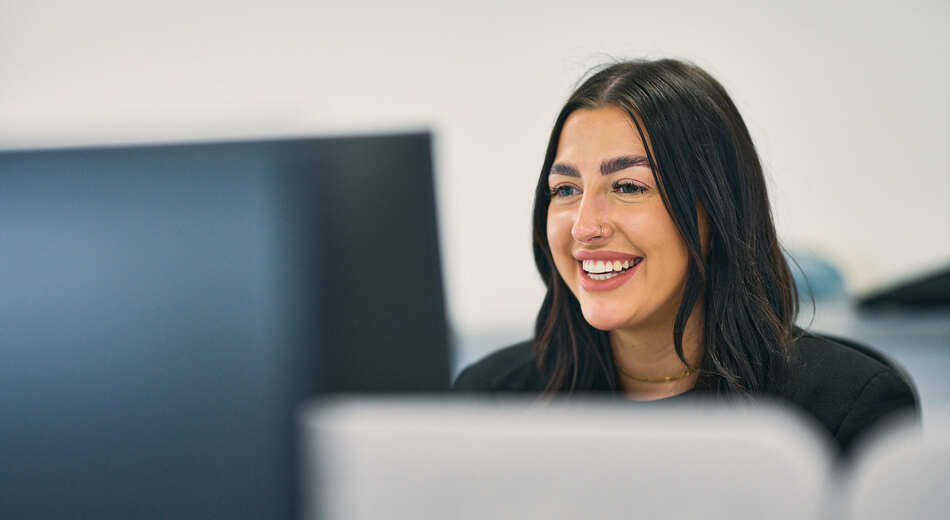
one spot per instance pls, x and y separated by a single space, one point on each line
613 241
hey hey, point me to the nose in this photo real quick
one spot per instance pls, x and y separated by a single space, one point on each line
591 224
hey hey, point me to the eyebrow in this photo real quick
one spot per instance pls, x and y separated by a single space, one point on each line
606 168
622 163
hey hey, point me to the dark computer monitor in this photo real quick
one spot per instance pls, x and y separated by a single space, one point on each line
164 310
926 290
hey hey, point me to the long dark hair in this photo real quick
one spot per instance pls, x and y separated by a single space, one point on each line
702 156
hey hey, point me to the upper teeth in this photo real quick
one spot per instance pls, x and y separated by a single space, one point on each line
600 266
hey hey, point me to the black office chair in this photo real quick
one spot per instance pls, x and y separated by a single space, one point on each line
877 356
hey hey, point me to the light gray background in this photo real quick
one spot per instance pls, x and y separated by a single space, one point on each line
847 102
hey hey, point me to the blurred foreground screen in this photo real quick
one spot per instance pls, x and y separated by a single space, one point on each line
599 459
165 309
411 459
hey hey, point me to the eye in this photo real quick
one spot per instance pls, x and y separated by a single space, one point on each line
564 190
629 188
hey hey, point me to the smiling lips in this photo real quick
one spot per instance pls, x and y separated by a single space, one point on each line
604 271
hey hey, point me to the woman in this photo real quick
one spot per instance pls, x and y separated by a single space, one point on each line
654 236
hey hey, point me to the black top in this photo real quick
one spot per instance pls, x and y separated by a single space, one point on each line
845 390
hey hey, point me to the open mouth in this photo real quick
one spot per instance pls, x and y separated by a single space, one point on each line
607 269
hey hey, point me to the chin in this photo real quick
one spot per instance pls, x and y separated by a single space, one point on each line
601 318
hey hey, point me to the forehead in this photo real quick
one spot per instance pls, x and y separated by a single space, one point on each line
594 134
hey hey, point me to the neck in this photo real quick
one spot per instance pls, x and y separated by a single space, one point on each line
651 354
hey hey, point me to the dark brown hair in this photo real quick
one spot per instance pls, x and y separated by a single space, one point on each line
702 156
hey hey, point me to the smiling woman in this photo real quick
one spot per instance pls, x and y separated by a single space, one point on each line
654 237
605 211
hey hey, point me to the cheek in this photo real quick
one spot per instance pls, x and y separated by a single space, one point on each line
560 239
667 245
554 229
654 234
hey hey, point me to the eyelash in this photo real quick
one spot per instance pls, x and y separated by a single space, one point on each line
556 192
638 188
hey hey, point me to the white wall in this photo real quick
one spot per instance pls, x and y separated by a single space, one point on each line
849 104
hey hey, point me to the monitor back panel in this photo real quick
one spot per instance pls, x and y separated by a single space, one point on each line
164 310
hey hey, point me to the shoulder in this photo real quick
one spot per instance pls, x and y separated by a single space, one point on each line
837 367
507 370
848 387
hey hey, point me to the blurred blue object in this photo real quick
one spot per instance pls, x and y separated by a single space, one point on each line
815 276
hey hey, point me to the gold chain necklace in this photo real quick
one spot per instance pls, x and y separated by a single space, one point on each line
666 379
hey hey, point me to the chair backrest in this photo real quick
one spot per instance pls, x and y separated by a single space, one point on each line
904 473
